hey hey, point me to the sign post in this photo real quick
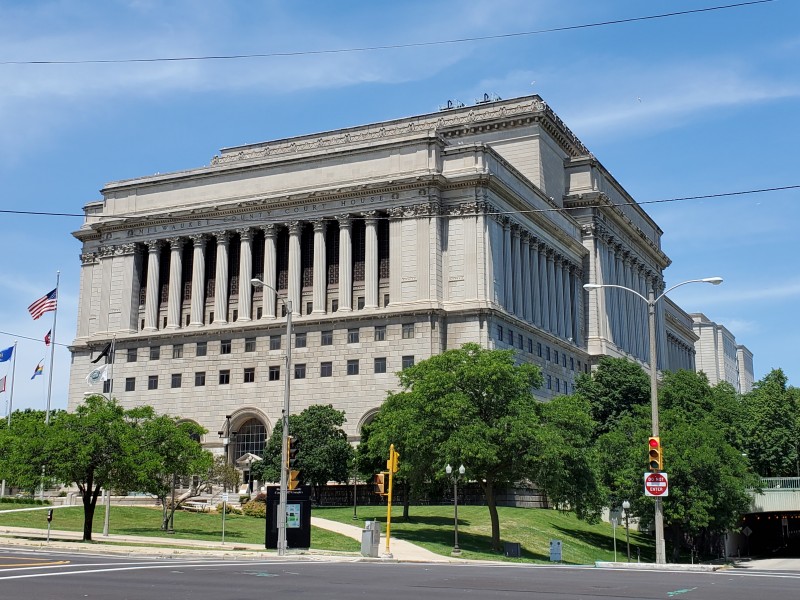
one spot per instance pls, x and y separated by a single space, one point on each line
656 485
224 510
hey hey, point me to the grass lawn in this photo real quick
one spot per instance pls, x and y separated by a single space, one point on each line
432 527
129 520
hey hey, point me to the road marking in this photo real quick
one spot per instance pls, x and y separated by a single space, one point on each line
37 563
676 592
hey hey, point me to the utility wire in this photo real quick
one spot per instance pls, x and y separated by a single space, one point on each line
384 47
534 210
24 337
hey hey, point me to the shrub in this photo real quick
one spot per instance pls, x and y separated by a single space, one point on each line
229 509
255 508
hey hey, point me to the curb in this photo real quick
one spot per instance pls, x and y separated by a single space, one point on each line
655 567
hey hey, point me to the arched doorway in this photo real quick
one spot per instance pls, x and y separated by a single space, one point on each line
248 446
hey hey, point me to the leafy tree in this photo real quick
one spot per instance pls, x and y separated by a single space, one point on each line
613 389
771 426
323 452
15 456
475 407
170 450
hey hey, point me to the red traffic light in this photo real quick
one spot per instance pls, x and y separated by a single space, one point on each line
654 442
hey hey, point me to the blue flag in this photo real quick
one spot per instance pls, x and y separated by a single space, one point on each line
6 354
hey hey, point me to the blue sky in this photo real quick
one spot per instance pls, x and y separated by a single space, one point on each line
682 106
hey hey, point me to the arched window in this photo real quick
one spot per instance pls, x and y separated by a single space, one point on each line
251 438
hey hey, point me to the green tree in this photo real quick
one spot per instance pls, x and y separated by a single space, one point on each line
170 450
323 452
771 426
475 407
613 389
17 443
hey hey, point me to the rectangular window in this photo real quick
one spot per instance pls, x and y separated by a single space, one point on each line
200 379
380 365
235 316
275 373
408 361
547 353
283 310
352 336
300 340
334 305
224 377
132 354
511 337
327 338
211 317
107 386
300 371
250 344
539 349
259 312
202 348
571 363
530 345
152 382
408 331
563 360
155 352
360 302
130 384
555 356
177 351
558 385
225 347
352 367
326 369
500 333
176 380
274 342
549 382
385 300
519 341
249 375
380 333
309 307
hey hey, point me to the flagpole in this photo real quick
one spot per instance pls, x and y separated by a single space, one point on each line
10 402
111 359
52 353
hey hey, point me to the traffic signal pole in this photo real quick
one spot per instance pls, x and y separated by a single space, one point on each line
659 509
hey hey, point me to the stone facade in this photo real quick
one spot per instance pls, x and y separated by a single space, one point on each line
391 242
720 357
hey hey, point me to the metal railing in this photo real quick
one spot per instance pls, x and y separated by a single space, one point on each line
779 484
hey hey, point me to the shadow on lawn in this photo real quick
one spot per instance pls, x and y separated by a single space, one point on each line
606 541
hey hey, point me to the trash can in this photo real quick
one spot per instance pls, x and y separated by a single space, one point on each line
512 549
371 539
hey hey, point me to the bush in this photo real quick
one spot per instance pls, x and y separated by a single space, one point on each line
244 499
24 500
229 509
255 508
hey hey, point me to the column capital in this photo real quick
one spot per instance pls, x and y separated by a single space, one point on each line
294 227
198 239
154 246
223 236
270 230
88 258
245 233
516 230
125 249
106 251
345 221
175 243
370 216
319 225
526 238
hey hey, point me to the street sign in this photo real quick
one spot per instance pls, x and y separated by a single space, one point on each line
225 497
656 484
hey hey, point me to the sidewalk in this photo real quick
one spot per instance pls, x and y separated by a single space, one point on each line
166 546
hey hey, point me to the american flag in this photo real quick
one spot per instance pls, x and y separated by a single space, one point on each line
44 304
47 338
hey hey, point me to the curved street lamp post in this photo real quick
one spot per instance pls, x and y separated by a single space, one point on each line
257 283
651 301
455 475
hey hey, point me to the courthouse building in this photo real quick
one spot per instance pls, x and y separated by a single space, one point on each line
392 241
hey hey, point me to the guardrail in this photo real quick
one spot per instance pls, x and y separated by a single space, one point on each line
780 484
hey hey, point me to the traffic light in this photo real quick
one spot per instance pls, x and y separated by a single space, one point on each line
381 483
655 458
291 463
394 460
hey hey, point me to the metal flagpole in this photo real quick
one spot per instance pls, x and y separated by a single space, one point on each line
10 401
52 353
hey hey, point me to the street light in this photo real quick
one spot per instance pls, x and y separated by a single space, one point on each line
651 301
626 507
449 470
257 283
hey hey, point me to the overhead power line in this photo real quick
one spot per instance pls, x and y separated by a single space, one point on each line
463 40
534 210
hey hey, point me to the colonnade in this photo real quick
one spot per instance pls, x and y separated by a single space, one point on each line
680 355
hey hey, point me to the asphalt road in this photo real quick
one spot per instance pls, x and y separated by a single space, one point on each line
64 576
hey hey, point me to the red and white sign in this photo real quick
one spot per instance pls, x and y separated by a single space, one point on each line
656 484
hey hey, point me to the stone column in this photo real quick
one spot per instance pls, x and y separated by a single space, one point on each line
536 306
245 274
370 260
644 318
544 292
552 291
106 254
508 271
471 254
630 302
568 302
198 279
623 300
174 300
85 303
129 303
558 266
516 262
268 299
320 276
294 268
221 278
346 264
153 293
526 277
577 299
